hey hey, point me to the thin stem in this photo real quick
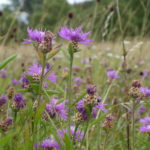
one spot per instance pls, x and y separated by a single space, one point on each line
69 94
42 76
133 125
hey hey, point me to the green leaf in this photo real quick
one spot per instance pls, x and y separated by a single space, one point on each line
52 53
6 61
22 90
52 92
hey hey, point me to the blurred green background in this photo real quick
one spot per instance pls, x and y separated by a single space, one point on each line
106 19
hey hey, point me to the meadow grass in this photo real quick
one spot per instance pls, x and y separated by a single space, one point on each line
93 63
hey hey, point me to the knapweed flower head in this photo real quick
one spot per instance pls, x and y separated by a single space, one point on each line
15 82
19 102
55 109
75 35
91 89
78 81
52 77
3 100
112 74
34 36
78 135
24 81
83 113
3 74
142 109
50 144
6 123
145 125
36 69
145 91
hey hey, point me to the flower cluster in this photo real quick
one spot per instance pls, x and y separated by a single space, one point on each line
6 123
19 102
88 106
56 109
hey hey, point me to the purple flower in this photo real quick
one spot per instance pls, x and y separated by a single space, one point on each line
19 101
112 74
24 80
3 74
45 85
146 124
3 100
142 109
145 91
78 135
8 121
49 144
34 36
59 110
52 77
78 81
15 82
91 89
75 35
80 106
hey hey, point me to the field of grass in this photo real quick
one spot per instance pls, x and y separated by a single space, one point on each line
117 128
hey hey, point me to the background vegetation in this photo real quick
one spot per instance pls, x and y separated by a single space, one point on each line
99 16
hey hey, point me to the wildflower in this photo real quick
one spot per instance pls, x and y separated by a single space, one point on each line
25 82
70 15
78 135
145 125
50 144
15 82
3 74
142 109
108 122
91 90
47 44
89 105
10 92
34 36
36 70
136 84
112 74
75 36
59 110
145 91
78 81
18 101
3 100
6 123
52 77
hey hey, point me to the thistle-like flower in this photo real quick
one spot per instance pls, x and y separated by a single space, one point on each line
112 74
76 36
19 102
146 125
6 123
50 144
55 109
34 36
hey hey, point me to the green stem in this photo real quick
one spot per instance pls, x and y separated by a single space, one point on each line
133 125
42 76
70 89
